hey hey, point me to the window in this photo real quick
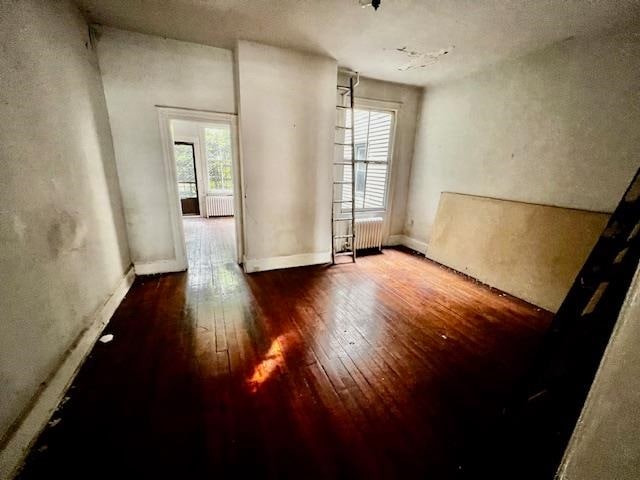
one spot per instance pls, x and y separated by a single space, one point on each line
218 152
185 170
372 141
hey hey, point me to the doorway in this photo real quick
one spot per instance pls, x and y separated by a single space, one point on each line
185 156
204 175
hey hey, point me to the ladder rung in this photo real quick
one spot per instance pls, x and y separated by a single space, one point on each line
342 144
343 128
342 183
344 254
343 107
342 219
342 163
343 236
345 87
343 201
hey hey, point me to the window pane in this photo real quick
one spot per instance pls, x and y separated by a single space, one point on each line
379 136
375 186
346 189
361 172
185 170
372 141
218 151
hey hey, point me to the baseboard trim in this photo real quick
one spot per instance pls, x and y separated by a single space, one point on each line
412 243
160 266
17 446
274 263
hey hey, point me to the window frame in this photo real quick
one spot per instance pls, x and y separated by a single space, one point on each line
369 104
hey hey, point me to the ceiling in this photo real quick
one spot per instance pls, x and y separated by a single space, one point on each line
417 42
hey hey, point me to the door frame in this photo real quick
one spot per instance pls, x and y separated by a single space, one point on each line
165 116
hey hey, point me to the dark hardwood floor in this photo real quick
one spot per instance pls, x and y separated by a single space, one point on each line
393 367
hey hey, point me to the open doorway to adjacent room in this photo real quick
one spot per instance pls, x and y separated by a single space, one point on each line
203 152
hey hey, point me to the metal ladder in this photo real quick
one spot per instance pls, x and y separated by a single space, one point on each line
338 217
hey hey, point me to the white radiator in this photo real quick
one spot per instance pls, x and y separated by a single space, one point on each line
368 233
219 206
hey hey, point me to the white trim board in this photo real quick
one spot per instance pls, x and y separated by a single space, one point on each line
412 243
18 445
160 266
289 261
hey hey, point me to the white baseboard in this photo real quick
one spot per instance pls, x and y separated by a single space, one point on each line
289 261
160 266
408 242
17 447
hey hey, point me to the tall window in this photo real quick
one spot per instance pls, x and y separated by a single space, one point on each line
218 152
372 139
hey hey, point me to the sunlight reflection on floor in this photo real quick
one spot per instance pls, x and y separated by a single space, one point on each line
272 360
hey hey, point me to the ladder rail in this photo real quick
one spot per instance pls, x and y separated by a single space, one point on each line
353 171
349 247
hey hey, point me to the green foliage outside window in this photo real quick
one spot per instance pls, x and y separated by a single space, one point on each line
218 146
185 170
184 163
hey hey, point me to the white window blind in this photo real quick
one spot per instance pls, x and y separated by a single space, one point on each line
372 140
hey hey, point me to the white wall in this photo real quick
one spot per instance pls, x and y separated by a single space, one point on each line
606 442
557 127
409 98
140 72
287 111
184 128
62 231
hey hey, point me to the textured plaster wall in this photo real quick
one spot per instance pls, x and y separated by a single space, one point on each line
62 233
287 113
555 127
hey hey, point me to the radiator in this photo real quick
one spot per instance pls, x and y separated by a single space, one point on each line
219 206
368 233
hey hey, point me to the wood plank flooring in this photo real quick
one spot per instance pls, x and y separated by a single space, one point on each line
393 367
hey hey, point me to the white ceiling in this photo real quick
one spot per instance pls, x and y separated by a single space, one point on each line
474 33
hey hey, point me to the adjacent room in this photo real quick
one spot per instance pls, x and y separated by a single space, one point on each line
320 239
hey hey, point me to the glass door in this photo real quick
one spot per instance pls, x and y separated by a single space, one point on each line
186 173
